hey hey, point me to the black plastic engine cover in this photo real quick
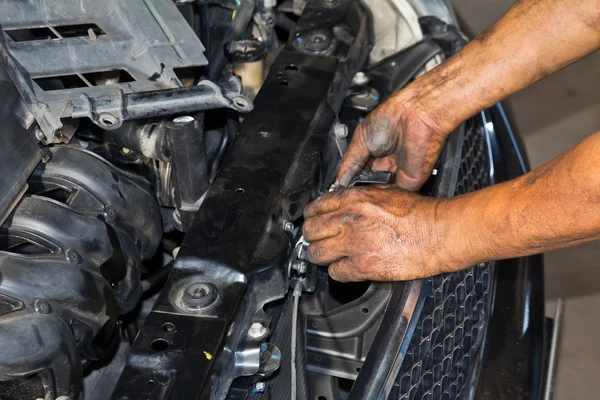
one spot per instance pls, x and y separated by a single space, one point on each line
70 262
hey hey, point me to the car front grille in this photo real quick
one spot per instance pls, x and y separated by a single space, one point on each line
448 340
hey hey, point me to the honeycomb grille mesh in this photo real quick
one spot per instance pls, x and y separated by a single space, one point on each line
449 335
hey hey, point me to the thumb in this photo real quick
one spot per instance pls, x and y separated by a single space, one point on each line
354 159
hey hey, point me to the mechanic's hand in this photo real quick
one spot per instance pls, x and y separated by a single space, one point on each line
399 136
378 233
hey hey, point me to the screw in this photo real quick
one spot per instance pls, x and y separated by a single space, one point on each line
259 387
110 213
39 135
199 295
287 226
257 330
76 334
72 256
340 130
360 79
41 306
299 266
197 291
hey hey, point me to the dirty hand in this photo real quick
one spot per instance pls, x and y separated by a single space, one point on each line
399 136
378 233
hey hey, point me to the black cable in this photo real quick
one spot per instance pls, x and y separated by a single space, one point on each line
132 331
284 22
169 245
229 133
236 31
157 278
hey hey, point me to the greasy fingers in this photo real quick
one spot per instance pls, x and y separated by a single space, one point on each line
321 227
383 234
355 158
326 251
418 154
343 271
329 202
399 136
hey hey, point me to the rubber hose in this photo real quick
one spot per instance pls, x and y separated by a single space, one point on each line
236 31
157 277
284 22
229 133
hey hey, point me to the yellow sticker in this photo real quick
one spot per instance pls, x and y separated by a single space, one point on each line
207 355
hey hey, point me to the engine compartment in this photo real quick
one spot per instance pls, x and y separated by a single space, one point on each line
158 180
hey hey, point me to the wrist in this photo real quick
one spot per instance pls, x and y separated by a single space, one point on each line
466 239
438 100
454 91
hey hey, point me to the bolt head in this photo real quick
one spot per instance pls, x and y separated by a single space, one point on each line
299 266
360 79
197 295
197 290
76 334
259 387
41 307
257 330
110 214
340 130
287 226
72 256
39 135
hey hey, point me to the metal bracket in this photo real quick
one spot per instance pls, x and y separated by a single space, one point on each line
109 112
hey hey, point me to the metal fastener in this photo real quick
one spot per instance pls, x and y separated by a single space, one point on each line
340 130
257 330
299 266
76 334
183 119
199 295
318 41
287 226
72 256
197 292
41 306
259 387
110 214
39 135
360 79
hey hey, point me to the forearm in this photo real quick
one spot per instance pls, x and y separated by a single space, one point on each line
554 206
534 39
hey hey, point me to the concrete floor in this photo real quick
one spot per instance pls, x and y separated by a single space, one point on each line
552 116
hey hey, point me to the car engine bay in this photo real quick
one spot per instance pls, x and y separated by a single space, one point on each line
156 162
